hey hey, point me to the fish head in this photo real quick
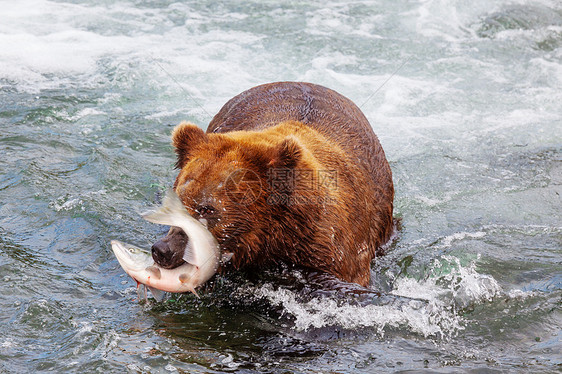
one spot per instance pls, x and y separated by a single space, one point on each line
131 257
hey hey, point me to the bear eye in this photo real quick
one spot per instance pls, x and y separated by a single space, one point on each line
206 210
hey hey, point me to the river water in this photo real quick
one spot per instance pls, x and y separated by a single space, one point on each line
465 97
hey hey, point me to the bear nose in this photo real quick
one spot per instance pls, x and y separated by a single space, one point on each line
165 256
161 253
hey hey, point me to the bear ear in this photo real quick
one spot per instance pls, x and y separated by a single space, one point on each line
287 154
184 138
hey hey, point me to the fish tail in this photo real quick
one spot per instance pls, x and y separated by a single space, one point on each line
171 207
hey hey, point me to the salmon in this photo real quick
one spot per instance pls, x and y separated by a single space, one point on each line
202 254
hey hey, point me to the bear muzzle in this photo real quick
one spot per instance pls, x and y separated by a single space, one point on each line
168 251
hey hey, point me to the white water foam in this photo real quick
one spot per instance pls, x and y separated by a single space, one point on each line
432 312
464 285
66 203
425 319
8 343
448 240
63 47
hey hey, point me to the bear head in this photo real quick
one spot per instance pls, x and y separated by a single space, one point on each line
226 181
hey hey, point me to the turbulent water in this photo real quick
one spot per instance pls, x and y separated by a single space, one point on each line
465 97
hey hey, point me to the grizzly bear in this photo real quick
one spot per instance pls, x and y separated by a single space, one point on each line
286 173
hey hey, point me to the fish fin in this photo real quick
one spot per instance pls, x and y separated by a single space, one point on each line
190 256
185 278
155 271
141 291
204 222
164 214
194 292
226 257
158 294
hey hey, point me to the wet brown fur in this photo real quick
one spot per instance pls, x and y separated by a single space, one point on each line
337 228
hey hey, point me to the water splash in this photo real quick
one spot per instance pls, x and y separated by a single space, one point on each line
448 281
429 307
418 317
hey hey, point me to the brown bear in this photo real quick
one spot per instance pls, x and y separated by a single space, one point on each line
286 173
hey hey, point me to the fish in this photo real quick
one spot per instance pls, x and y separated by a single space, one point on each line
140 266
201 255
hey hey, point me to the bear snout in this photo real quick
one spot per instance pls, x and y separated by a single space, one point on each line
168 251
